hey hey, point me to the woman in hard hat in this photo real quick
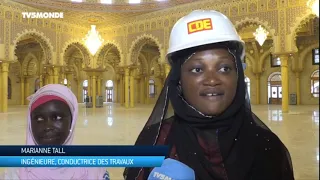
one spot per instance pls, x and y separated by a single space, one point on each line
211 128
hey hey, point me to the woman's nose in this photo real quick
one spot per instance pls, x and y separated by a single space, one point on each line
49 123
211 79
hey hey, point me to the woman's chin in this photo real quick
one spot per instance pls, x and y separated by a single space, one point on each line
50 141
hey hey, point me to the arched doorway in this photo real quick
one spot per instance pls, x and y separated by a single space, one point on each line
274 88
85 90
109 91
247 81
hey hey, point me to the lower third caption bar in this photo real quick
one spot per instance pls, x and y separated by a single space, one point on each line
81 161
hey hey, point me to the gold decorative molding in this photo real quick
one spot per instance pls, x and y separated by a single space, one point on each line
116 6
106 47
40 38
87 58
137 45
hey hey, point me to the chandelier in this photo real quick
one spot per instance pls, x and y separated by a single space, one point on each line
93 40
314 5
261 35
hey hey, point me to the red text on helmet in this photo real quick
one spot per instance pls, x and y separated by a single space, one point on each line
199 25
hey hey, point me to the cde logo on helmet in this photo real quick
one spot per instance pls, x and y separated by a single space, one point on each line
199 25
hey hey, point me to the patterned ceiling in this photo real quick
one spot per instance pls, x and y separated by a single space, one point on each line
95 12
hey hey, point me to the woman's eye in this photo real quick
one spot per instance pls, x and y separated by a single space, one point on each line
40 118
196 70
225 69
58 117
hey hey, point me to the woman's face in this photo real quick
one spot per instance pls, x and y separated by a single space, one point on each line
51 123
209 81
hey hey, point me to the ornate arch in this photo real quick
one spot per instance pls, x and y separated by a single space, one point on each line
273 74
303 54
44 42
112 68
28 61
87 58
75 73
263 58
144 63
139 42
314 72
265 24
113 71
154 63
300 21
249 59
104 49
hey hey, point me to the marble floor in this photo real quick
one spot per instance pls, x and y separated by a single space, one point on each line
115 125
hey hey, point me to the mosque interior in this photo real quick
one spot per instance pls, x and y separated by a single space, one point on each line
115 52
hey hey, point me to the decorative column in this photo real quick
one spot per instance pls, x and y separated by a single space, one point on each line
26 90
89 86
22 90
257 76
142 89
56 75
50 75
132 88
99 86
126 87
51 79
285 82
41 80
147 93
80 89
137 94
298 88
94 91
4 81
115 90
46 79
69 78
121 90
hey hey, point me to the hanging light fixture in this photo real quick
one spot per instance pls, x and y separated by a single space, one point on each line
261 35
314 5
93 40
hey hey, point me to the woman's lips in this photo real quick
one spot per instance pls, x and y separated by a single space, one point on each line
215 97
50 136
210 92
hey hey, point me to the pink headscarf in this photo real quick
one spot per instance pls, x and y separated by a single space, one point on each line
60 91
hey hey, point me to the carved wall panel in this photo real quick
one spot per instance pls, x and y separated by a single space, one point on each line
280 16
109 49
15 68
1 31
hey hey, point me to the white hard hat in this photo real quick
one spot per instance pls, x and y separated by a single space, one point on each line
200 28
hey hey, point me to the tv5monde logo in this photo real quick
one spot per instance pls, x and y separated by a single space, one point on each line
43 15
199 25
